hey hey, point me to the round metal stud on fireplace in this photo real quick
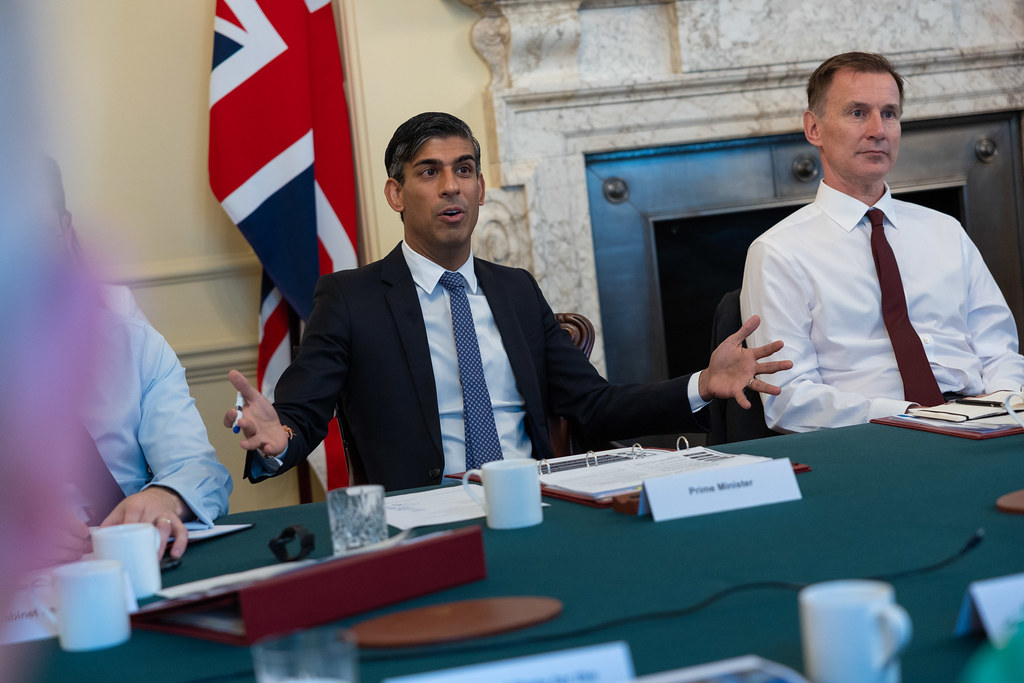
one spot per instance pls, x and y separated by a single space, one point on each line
806 168
986 149
615 190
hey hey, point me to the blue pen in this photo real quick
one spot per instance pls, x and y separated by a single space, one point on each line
239 402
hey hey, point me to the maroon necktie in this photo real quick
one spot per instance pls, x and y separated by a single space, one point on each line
919 383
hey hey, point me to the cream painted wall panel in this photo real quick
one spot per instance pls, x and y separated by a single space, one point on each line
207 308
129 117
404 57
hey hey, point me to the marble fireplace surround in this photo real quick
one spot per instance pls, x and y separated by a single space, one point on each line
573 77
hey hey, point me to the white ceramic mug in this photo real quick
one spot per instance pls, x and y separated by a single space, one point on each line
90 600
512 493
137 548
1013 413
852 632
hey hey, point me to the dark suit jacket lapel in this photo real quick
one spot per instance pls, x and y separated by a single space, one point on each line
515 343
405 308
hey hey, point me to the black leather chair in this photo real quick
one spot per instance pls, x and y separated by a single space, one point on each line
730 422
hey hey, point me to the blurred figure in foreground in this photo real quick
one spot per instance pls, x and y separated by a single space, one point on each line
151 460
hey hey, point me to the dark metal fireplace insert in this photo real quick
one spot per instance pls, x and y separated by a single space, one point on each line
671 225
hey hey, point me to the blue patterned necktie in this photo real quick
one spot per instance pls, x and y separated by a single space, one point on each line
481 434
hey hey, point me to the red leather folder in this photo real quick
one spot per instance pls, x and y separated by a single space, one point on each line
951 430
322 592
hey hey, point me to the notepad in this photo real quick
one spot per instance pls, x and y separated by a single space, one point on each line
975 408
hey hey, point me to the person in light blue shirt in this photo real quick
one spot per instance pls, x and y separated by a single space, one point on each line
139 414
148 431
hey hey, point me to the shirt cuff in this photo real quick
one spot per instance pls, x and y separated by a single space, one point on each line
693 393
885 407
197 510
263 466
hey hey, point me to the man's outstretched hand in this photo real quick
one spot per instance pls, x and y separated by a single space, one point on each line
259 422
733 368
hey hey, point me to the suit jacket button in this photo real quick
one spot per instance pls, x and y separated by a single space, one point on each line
435 472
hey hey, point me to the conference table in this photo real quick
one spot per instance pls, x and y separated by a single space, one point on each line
879 500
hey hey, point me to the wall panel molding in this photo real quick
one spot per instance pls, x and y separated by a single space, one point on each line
172 272
212 363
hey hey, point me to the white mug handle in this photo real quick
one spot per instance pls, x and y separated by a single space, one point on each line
1013 413
156 540
469 489
896 631
43 608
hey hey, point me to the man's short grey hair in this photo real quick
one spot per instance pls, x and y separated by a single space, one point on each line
859 62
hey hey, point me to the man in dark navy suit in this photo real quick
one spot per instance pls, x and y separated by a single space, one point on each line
436 361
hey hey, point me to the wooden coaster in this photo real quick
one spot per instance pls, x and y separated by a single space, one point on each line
454 621
1012 502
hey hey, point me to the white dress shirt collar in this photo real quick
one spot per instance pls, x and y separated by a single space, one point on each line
426 274
847 211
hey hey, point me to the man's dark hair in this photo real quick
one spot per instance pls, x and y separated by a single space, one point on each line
860 62
412 134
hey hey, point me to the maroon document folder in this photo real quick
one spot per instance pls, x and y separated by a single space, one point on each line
323 592
951 430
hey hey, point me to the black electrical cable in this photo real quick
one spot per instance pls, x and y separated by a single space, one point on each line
434 650
415 653
971 544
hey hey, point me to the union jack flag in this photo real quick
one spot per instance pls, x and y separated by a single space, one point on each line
281 164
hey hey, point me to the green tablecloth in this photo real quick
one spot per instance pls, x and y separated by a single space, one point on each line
879 500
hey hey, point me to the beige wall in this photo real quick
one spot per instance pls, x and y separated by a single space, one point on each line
127 88
405 57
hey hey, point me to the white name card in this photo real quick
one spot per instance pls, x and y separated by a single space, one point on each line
21 621
608 663
689 494
995 604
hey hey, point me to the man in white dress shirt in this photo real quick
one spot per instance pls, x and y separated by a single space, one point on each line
816 282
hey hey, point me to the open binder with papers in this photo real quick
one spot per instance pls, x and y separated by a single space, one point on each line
594 478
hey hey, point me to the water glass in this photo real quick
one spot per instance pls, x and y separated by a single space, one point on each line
357 517
324 655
